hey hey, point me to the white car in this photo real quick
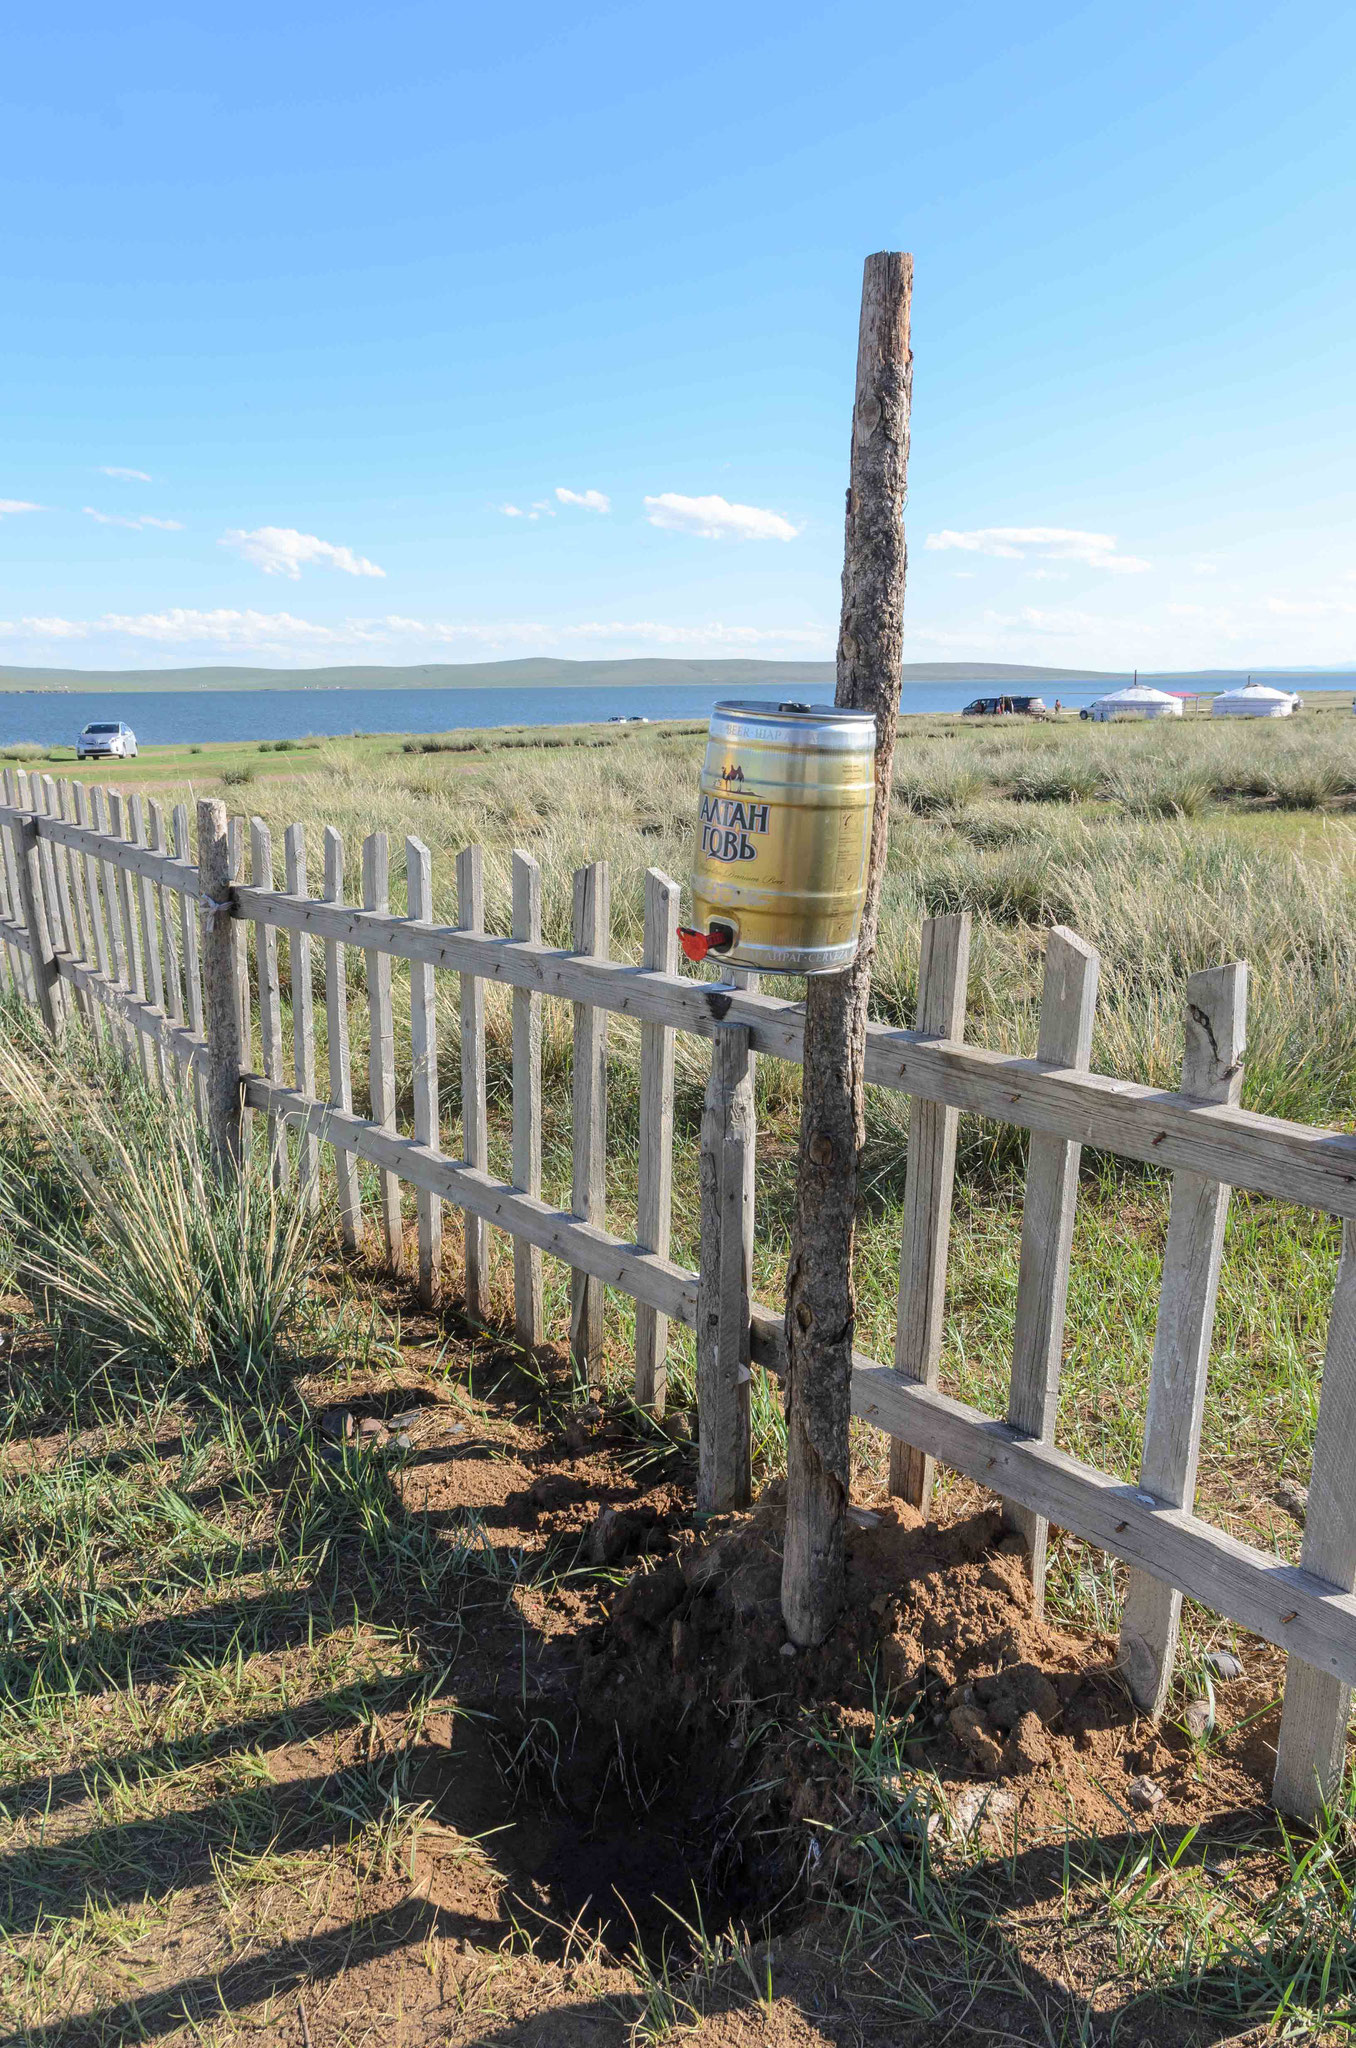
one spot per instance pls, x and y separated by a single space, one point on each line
118 740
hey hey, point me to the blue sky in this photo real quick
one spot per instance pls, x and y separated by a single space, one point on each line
300 302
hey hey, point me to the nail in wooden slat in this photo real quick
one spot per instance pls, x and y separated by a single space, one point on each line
303 1013
220 962
190 944
655 1195
528 1322
1212 1071
592 937
381 1039
475 1131
270 996
724 1466
1068 1003
1311 1750
424 1067
337 1048
943 972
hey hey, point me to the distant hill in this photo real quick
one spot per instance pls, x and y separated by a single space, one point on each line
539 671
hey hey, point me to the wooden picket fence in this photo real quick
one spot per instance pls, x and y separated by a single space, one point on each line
105 904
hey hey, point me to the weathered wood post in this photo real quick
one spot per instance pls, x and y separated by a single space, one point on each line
220 990
725 1451
33 910
820 1304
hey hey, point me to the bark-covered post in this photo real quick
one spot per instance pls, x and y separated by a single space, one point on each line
820 1303
220 989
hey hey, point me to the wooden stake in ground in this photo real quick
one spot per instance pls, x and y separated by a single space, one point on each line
820 1304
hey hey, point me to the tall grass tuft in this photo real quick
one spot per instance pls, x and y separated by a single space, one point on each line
128 1248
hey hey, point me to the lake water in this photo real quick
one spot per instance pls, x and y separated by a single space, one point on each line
186 717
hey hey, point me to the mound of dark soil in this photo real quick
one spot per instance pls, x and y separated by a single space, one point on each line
1005 1717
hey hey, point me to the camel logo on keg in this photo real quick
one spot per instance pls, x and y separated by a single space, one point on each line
729 824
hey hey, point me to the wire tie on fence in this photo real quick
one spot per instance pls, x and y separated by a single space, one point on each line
214 903
1120 1526
1291 1616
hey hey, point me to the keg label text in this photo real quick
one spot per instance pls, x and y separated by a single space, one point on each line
729 824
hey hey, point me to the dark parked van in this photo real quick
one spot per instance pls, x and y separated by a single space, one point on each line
993 707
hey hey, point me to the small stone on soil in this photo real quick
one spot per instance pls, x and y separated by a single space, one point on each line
1223 1664
1198 1718
981 1806
788 1650
1145 1794
369 1429
336 1423
406 1418
972 1732
404 1442
1294 1499
609 1536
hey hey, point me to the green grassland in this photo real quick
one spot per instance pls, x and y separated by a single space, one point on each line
160 1478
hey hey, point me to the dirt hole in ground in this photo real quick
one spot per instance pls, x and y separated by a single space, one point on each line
699 1769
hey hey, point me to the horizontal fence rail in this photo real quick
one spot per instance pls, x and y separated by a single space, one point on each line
154 949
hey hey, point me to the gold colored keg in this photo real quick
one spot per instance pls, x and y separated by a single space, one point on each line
784 831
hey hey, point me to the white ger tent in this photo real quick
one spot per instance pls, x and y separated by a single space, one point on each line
1137 700
1254 700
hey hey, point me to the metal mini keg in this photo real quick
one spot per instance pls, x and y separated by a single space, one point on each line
787 794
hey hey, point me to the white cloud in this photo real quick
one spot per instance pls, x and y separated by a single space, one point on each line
283 633
538 509
127 476
17 505
1048 543
592 501
282 551
136 525
716 518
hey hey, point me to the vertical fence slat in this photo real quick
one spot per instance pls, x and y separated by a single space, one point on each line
105 875
424 1065
127 914
1212 1071
592 937
66 933
724 1462
17 960
475 1131
240 939
655 1195
42 798
153 973
943 973
270 995
1064 1039
70 882
76 883
337 1050
30 896
1311 1751
220 962
94 903
169 936
381 1039
190 944
528 1315
303 1012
